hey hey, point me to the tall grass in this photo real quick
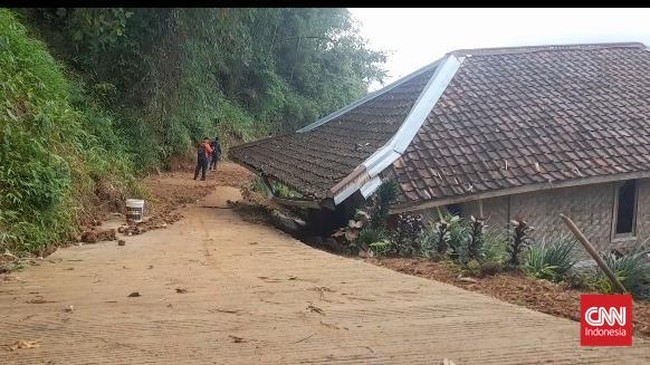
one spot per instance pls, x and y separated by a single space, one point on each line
632 270
50 157
551 259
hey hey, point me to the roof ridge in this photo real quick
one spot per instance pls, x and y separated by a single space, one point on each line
542 48
369 97
365 176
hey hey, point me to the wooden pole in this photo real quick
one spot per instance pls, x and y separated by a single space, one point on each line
592 252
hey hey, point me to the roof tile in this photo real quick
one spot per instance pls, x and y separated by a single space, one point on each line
315 161
555 113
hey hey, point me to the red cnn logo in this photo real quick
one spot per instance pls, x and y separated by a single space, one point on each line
605 320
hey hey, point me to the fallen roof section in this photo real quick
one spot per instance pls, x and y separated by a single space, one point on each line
316 159
475 124
362 177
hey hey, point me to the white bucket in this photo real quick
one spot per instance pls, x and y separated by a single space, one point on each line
134 210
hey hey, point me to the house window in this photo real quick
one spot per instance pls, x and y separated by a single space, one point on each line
625 209
455 209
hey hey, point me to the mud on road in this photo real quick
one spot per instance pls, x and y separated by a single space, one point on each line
214 289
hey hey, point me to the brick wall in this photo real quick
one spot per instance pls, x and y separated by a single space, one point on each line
643 217
495 210
590 207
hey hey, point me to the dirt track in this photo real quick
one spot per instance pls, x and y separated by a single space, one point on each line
217 290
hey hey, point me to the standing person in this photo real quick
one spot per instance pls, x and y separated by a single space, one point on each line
216 153
203 152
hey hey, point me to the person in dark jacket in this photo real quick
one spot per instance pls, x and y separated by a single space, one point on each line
203 154
216 153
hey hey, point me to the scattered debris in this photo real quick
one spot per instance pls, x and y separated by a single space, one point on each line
94 236
321 290
39 300
267 279
333 326
447 362
236 339
313 308
150 267
292 278
134 294
181 290
158 221
304 339
513 287
23 344
230 311
69 309
468 280
121 242
27 317
252 243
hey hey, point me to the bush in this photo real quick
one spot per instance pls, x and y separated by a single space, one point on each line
407 237
385 196
50 157
444 238
495 245
368 230
632 270
381 248
369 235
475 241
551 260
518 243
459 237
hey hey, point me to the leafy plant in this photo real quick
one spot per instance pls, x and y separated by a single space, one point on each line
446 237
632 270
475 242
408 234
386 194
284 191
459 235
495 245
369 235
518 242
351 231
472 268
551 260
383 247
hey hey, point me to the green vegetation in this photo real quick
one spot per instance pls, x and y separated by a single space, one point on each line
551 260
175 75
520 240
632 270
107 94
475 249
50 159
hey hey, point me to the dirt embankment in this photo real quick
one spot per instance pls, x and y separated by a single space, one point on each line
515 288
168 192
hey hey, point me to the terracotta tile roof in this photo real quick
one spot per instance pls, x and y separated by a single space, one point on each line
313 162
525 116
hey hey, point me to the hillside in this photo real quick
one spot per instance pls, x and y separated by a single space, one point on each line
95 98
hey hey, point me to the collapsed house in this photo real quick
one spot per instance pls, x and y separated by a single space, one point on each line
527 132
